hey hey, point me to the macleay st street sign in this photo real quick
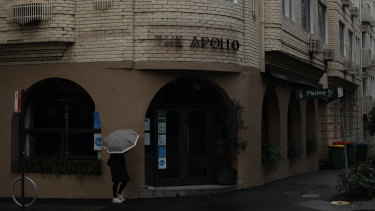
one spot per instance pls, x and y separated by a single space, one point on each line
328 94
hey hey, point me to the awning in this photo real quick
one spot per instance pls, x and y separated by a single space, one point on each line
290 79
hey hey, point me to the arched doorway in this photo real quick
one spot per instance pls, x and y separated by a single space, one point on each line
58 120
270 117
311 142
181 149
270 140
294 129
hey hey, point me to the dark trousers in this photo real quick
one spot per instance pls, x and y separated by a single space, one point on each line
115 190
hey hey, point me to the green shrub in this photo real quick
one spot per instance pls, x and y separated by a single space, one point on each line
311 146
360 181
294 150
59 165
271 156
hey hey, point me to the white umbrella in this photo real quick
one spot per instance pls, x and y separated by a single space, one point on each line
120 141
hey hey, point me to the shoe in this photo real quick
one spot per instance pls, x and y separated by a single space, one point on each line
116 201
121 198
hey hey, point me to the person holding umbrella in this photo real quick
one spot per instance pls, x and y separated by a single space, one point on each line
119 175
116 144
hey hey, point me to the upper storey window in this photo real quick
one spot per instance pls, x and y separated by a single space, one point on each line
341 37
306 15
322 16
289 9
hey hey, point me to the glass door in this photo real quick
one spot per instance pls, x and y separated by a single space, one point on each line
184 147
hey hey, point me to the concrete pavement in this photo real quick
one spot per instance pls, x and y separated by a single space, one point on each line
307 192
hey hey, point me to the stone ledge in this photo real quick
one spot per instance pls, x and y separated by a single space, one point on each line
38 51
175 191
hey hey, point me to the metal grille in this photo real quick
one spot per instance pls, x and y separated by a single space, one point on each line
103 4
24 13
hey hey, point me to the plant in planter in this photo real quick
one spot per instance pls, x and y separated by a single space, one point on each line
311 146
294 150
60 166
228 144
271 156
359 183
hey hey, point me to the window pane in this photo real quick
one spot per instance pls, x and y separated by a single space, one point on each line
322 21
292 12
305 14
341 31
287 8
350 47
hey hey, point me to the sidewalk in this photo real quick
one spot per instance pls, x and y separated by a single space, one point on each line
307 192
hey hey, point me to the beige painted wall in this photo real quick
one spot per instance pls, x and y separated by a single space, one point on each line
123 96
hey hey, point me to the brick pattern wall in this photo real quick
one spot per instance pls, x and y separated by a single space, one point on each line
131 30
60 28
186 19
273 25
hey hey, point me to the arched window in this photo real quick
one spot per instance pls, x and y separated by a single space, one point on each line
58 120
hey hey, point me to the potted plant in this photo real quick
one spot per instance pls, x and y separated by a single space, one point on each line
311 146
294 150
228 144
271 156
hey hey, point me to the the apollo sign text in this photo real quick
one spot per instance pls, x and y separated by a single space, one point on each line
205 42
199 42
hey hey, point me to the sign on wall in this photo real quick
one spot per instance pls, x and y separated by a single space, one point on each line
17 101
97 136
198 42
328 94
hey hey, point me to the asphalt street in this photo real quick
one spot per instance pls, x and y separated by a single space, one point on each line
308 192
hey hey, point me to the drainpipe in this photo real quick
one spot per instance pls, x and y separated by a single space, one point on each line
262 65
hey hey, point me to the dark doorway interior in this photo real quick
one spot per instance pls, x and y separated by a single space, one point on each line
183 115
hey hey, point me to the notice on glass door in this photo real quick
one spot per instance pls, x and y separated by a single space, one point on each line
162 139
162 154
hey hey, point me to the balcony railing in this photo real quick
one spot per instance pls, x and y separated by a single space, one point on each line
103 4
26 12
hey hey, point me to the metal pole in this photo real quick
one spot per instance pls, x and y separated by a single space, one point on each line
343 135
23 141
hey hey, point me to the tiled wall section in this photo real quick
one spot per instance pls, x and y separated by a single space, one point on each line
131 30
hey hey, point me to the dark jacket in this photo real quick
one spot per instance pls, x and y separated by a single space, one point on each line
118 168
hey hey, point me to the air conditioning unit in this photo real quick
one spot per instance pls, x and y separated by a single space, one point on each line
354 11
314 46
328 54
26 12
103 4
345 3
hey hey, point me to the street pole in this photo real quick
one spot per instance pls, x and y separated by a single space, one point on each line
23 141
344 136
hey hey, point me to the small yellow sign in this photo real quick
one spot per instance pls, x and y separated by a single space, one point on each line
340 202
